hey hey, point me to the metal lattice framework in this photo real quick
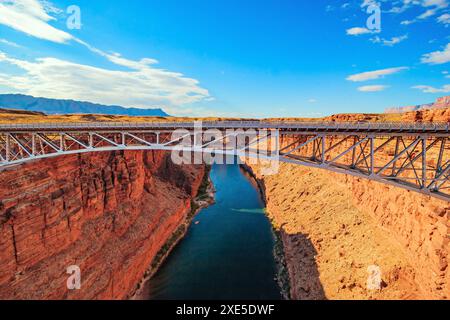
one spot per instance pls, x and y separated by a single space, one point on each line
412 156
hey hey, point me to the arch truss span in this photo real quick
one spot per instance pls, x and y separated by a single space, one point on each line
408 156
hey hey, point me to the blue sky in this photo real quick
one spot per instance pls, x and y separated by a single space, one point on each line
231 58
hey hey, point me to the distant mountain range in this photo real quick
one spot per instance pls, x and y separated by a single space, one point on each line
56 106
441 103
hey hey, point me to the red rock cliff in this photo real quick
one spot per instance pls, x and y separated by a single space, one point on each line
109 213
335 226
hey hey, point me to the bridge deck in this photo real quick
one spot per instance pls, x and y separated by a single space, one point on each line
368 127
414 156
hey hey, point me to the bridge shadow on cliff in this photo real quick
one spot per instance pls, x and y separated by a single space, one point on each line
300 255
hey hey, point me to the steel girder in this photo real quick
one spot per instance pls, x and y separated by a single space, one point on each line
417 162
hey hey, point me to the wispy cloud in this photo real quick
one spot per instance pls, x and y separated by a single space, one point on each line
430 89
32 17
437 57
142 88
390 43
367 3
407 22
444 19
432 7
373 75
117 58
398 9
10 43
441 4
357 31
427 14
374 88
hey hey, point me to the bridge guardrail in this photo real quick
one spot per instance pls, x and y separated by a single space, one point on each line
327 125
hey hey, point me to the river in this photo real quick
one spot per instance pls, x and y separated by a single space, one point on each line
227 252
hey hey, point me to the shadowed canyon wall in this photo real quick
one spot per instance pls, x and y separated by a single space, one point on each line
108 213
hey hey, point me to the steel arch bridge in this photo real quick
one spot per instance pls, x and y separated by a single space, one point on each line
413 156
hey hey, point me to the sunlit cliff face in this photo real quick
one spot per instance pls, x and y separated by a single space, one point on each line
108 213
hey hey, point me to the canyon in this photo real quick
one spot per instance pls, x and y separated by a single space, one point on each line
114 214
108 213
336 228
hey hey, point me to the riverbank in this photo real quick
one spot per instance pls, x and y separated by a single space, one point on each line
278 249
204 198
226 253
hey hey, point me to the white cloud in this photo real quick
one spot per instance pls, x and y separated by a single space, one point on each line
374 88
367 3
437 57
390 43
312 100
444 19
143 86
432 8
372 75
430 89
117 58
399 9
407 22
435 3
357 31
32 17
10 43
427 14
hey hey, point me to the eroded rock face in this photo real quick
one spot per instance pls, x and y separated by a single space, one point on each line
440 103
419 223
108 213
334 227
435 115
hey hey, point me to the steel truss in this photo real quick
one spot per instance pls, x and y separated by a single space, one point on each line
415 161
419 163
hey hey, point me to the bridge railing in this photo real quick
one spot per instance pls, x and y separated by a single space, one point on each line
386 126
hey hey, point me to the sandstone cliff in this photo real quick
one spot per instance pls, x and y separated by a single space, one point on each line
109 213
440 103
335 227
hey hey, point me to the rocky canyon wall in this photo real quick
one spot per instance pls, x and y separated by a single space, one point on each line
419 223
335 228
108 213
